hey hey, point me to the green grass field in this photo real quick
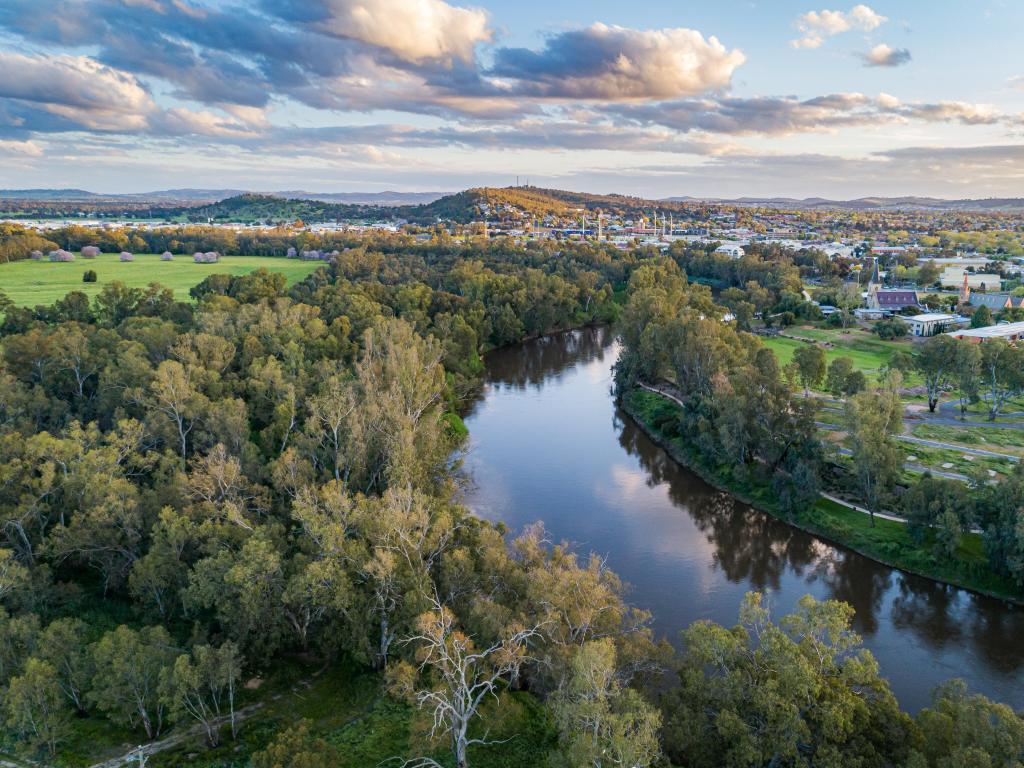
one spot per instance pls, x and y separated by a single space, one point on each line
29 283
999 440
868 352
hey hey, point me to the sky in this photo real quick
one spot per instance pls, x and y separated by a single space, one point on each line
649 97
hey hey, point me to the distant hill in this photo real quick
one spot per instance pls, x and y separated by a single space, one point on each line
868 203
388 198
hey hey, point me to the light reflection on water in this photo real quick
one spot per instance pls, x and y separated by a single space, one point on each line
547 443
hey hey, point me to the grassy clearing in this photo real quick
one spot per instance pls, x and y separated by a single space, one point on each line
886 541
938 458
869 354
30 283
1001 440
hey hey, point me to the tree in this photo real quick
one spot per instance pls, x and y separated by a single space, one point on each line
296 747
173 394
810 364
62 645
602 723
1002 373
871 419
244 590
967 367
848 298
838 370
891 328
960 729
128 666
939 505
936 362
982 317
927 274
202 686
36 707
801 692
460 676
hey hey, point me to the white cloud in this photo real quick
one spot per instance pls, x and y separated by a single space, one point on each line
77 88
22 148
883 55
616 63
1016 82
815 26
413 30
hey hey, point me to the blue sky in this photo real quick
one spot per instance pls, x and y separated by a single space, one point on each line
648 97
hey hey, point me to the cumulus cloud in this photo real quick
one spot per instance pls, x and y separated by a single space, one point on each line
815 26
883 55
611 62
77 88
413 30
1016 82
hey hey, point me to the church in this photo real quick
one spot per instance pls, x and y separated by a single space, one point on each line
888 300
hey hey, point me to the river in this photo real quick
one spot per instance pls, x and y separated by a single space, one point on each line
548 443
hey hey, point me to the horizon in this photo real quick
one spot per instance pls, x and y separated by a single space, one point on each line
445 193
742 99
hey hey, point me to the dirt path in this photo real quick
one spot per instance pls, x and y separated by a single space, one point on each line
175 739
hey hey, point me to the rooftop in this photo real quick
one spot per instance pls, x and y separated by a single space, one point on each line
931 317
992 331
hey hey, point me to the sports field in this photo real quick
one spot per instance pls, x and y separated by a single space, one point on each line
28 283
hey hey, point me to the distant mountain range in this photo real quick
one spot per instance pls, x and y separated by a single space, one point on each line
164 196
866 203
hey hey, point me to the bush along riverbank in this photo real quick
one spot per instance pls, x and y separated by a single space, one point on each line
887 542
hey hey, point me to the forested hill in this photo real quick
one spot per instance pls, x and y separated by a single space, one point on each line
503 204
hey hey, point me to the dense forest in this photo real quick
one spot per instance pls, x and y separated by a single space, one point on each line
193 491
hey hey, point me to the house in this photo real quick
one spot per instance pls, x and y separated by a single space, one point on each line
1012 332
932 323
731 249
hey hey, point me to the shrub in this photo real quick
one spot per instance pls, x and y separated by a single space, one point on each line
166 256
126 256
90 252
891 328
61 255
89 276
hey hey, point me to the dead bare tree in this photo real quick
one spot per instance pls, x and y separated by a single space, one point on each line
464 676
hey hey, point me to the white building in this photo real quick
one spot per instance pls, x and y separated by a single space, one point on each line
931 323
733 250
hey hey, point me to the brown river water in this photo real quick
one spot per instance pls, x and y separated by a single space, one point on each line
548 443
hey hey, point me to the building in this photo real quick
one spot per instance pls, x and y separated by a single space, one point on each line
732 250
954 277
932 323
879 299
1012 332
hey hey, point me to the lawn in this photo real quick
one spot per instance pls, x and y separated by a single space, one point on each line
869 353
29 283
999 440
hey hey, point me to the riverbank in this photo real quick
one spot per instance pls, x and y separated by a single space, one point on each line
887 542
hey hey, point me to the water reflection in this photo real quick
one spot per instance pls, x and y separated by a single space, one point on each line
548 444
